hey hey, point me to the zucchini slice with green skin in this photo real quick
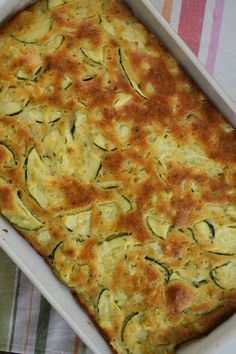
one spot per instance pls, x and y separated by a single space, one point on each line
35 171
67 82
11 108
40 114
101 142
10 160
109 184
161 266
190 231
23 75
22 218
107 309
19 215
89 77
108 27
93 166
204 231
158 228
79 223
64 265
123 62
93 57
36 31
55 43
224 276
117 235
126 323
114 247
124 204
221 253
52 255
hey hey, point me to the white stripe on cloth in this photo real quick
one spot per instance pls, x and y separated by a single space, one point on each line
10 328
158 4
176 14
225 65
26 317
206 31
60 337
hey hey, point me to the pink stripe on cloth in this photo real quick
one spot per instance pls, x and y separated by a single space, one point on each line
191 22
215 35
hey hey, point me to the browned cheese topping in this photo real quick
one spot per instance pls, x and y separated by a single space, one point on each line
119 172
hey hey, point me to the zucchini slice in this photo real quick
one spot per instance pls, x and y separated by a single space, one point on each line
204 231
124 132
161 267
93 165
62 263
195 273
11 108
34 32
108 27
22 217
107 309
158 227
224 276
109 184
93 57
125 66
130 328
52 255
122 99
44 237
79 223
101 142
9 155
225 240
40 114
124 204
113 248
36 173
116 236
24 75
67 82
19 214
55 43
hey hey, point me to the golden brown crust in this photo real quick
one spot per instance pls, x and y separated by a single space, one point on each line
119 172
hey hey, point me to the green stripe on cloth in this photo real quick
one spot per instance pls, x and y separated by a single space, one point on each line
7 284
42 330
15 308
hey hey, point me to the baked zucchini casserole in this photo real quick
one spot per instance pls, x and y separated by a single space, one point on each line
119 172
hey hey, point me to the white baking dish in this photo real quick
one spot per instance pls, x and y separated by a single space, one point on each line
222 339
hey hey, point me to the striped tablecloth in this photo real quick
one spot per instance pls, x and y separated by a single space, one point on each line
27 323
